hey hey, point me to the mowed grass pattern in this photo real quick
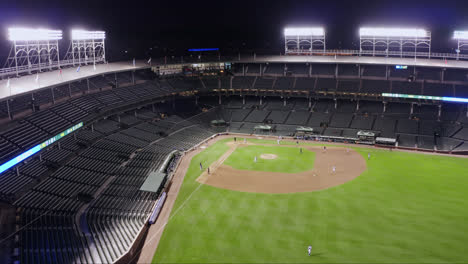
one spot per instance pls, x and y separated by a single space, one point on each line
289 160
406 208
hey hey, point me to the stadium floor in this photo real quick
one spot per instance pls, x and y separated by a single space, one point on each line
156 230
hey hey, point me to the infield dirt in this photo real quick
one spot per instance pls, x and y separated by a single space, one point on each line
348 165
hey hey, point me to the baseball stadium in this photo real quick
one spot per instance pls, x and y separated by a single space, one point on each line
313 155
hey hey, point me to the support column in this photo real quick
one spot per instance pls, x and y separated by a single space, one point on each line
87 83
310 70
336 103
133 77
243 69
357 106
284 102
118 118
261 100
17 171
310 102
33 103
69 90
8 108
40 157
412 109
219 98
384 107
92 127
115 78
60 146
53 95
439 112
153 108
196 100
243 100
230 82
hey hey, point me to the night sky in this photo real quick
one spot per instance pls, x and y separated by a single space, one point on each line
158 28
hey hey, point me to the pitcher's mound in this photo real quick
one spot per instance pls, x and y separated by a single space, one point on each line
268 156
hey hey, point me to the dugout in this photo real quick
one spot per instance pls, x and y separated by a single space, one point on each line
385 141
366 136
218 123
304 131
262 128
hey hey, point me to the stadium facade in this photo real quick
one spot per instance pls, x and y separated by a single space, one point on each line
77 196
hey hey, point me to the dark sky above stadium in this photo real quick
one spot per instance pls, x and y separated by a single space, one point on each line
170 27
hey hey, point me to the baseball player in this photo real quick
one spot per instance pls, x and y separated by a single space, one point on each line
347 151
309 250
255 159
201 166
368 156
334 169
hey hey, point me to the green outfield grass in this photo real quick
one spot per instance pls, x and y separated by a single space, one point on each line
289 160
406 207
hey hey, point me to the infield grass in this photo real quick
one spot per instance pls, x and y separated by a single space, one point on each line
406 208
289 160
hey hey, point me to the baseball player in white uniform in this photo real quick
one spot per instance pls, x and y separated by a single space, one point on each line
309 250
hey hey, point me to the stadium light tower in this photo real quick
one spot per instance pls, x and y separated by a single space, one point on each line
462 41
304 40
394 41
34 49
87 46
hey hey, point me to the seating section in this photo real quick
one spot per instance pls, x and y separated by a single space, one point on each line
108 172
375 87
108 160
323 69
373 70
264 83
429 74
257 116
274 68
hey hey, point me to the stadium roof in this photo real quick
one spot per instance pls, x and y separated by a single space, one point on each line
421 62
153 182
29 83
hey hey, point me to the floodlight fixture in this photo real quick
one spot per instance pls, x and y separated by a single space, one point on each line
304 31
79 34
462 39
30 34
394 41
393 32
304 40
86 47
460 35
